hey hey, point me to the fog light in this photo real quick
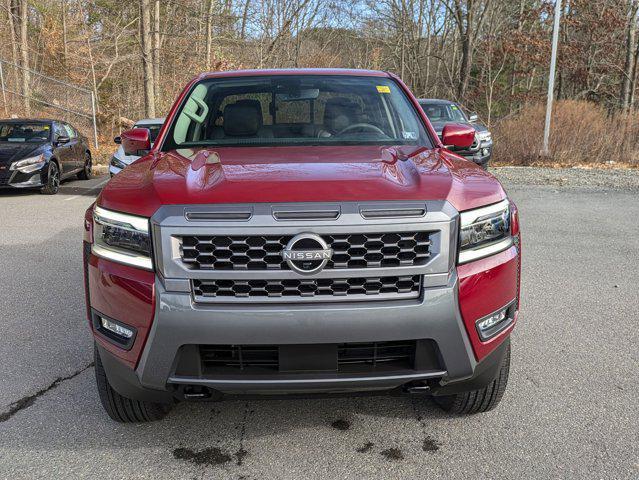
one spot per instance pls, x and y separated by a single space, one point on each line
116 328
494 323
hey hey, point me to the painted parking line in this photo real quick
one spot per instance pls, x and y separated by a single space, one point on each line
97 187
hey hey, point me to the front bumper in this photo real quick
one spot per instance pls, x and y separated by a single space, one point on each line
481 156
171 328
178 322
17 179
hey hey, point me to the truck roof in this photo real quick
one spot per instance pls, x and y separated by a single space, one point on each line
296 71
435 101
29 120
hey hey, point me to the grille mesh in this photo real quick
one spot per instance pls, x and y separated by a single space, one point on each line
364 250
306 288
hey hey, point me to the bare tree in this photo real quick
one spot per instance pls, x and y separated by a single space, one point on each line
156 50
65 42
627 83
12 13
469 17
209 33
147 60
24 55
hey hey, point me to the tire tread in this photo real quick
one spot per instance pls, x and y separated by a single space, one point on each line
482 400
123 409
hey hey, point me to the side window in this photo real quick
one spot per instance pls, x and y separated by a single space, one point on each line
70 131
59 131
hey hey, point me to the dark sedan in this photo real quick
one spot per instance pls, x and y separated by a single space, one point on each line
441 112
41 153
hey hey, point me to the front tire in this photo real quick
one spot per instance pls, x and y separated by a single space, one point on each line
482 400
123 409
53 180
85 174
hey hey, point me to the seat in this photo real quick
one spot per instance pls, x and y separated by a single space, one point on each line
434 113
243 119
339 113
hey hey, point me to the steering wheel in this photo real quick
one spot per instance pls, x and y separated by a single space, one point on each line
363 127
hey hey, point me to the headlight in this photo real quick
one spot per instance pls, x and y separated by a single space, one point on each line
28 165
484 136
117 163
484 231
122 238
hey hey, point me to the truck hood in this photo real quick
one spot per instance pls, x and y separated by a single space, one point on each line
298 174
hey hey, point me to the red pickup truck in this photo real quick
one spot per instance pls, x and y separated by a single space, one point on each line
300 231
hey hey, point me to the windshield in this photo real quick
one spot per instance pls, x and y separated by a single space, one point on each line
443 112
154 129
24 132
296 110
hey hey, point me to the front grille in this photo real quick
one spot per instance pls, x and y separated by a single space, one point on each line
318 288
5 176
264 252
351 357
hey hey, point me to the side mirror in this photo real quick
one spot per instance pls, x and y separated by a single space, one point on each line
136 141
62 139
472 118
458 136
117 140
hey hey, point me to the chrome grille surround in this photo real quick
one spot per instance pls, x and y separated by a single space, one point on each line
431 222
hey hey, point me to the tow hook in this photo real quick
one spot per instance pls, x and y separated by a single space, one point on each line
417 388
196 393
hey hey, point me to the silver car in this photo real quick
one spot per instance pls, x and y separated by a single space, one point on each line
120 160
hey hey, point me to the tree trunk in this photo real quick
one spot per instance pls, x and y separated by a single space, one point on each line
247 3
65 50
156 51
209 34
12 10
24 54
464 67
634 77
147 61
627 76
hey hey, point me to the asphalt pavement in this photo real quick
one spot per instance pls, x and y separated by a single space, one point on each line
570 410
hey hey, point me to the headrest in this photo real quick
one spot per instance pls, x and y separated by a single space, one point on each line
433 112
339 113
242 119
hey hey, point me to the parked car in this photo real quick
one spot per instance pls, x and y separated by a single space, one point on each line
37 153
442 112
120 160
300 231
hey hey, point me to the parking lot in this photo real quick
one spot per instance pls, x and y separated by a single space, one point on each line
570 410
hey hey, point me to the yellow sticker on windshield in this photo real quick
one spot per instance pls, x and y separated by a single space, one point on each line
383 89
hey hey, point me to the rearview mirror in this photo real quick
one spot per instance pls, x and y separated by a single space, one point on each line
458 136
62 139
117 140
472 118
136 141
